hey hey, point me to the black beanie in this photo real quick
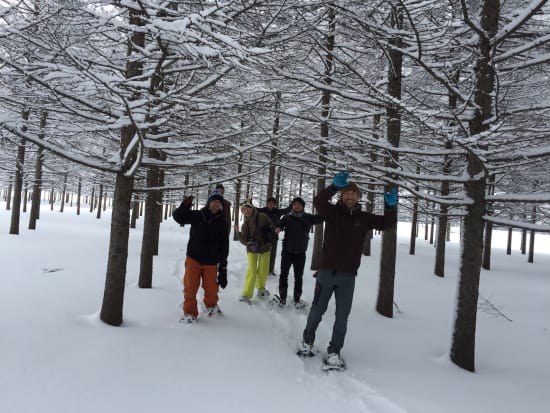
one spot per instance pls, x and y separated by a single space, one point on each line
300 200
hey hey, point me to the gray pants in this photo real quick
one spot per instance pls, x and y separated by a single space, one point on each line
342 284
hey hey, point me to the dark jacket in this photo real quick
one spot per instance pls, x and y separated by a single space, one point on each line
345 230
208 241
274 215
255 228
297 228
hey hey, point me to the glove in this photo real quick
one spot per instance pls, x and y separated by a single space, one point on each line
188 201
222 277
391 198
340 180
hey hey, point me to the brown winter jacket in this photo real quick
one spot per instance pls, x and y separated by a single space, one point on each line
252 232
345 230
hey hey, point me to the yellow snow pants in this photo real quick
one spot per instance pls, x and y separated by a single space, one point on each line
256 274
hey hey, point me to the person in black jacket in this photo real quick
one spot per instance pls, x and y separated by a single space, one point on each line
274 215
296 225
207 252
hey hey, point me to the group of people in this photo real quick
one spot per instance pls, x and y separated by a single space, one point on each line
346 226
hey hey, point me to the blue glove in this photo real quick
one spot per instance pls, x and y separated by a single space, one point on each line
391 197
340 180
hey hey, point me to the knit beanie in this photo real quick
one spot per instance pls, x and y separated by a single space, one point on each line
215 195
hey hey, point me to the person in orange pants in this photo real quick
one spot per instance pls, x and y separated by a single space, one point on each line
207 252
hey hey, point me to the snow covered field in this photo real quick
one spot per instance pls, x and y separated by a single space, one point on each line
56 356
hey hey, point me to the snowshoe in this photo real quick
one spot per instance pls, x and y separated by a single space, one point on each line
213 311
299 304
305 350
245 299
263 293
333 362
277 301
188 319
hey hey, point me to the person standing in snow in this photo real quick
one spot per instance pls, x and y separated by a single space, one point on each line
345 229
274 215
296 226
207 252
253 234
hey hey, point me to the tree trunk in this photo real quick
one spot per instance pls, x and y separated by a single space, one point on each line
432 225
486 257
367 247
25 198
317 254
18 181
238 184
150 225
463 340
52 198
99 201
115 279
384 303
37 186
509 243
8 196
273 154
78 195
531 255
135 213
439 269
414 223
427 223
62 207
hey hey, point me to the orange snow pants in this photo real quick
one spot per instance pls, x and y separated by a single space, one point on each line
194 273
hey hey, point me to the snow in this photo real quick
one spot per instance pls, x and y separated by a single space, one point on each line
57 356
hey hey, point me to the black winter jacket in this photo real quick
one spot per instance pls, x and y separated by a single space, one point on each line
345 230
208 240
275 214
297 228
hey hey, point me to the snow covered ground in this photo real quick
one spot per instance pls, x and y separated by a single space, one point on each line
56 356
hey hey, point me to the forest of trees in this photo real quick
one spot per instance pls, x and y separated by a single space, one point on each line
145 101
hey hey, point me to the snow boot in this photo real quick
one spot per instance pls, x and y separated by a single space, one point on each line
213 311
333 362
188 319
263 293
277 301
305 350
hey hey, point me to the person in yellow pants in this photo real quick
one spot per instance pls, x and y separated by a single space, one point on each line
254 234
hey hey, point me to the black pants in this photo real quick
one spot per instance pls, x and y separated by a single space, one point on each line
288 259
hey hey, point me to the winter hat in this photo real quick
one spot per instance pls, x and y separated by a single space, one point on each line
300 200
247 204
270 199
351 187
215 195
220 186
